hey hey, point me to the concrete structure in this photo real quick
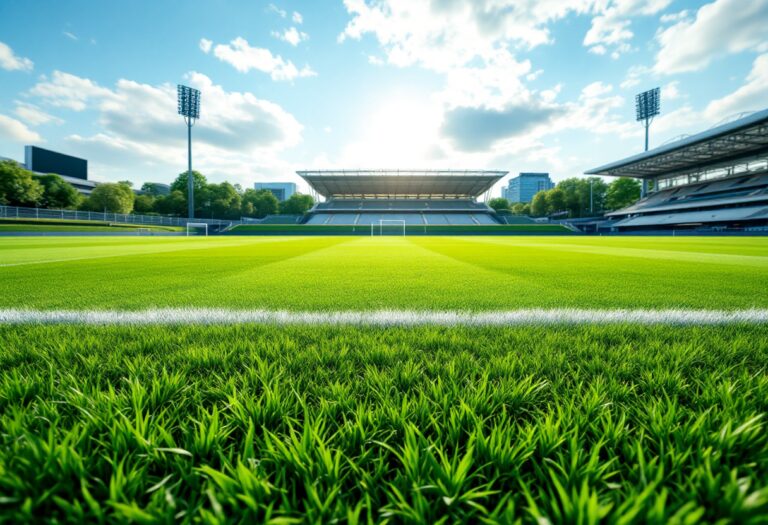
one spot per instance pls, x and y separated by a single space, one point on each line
425 197
281 190
523 187
717 179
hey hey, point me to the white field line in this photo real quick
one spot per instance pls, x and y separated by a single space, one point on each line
384 318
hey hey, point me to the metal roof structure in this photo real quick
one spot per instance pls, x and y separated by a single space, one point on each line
742 137
401 184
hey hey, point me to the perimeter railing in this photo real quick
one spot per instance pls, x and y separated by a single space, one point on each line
18 212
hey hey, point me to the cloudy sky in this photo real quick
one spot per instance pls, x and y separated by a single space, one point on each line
518 85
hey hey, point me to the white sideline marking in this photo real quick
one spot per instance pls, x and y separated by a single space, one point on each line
384 318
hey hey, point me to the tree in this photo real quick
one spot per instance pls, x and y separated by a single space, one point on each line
539 204
621 193
520 208
58 193
297 204
259 203
144 203
499 203
173 204
555 200
17 185
225 201
112 198
199 182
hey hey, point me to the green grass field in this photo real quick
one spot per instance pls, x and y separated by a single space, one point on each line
338 273
260 423
55 225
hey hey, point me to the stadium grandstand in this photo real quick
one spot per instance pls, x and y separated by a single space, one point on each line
431 197
713 180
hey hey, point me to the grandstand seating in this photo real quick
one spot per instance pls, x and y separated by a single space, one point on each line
729 200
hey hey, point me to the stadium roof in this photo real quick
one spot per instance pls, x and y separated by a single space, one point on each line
448 184
743 137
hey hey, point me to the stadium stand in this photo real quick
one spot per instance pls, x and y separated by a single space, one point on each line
439 197
712 180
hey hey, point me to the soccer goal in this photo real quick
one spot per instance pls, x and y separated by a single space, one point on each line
143 231
392 224
197 225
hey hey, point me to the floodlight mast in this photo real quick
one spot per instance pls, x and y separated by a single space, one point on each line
189 108
647 106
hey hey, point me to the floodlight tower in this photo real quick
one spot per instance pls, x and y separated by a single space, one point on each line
647 106
189 108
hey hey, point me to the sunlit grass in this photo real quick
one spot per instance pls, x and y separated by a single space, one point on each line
346 273
250 424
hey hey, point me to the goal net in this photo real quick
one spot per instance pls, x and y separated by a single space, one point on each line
143 231
194 227
389 227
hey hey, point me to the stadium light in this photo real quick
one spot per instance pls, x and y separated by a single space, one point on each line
189 108
647 106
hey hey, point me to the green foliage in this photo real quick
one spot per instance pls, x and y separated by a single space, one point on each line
152 188
17 186
499 203
520 208
297 204
259 203
199 183
111 198
365 273
621 193
223 201
58 193
572 195
261 424
144 203
540 204
173 204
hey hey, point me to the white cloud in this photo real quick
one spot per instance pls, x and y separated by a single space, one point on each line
15 131
297 18
11 62
751 96
611 28
671 91
282 13
291 35
33 115
71 36
674 17
205 45
68 91
634 76
719 28
243 57
141 134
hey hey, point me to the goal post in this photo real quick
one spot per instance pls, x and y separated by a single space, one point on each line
194 225
143 231
383 222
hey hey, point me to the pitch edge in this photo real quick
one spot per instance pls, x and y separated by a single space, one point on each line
384 318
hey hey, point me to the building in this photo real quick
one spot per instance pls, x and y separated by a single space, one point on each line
709 181
523 187
73 170
281 190
429 197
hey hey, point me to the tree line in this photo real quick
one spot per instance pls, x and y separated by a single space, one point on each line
571 198
21 187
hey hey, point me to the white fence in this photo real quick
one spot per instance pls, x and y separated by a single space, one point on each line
17 212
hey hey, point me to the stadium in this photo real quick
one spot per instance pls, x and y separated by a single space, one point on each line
408 197
716 179
254 339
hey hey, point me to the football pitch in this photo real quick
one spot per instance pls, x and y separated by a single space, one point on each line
182 413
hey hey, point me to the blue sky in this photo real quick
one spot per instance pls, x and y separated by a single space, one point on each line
517 85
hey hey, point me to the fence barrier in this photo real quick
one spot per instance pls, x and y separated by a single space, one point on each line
18 212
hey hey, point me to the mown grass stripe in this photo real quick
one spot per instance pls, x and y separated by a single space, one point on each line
384 318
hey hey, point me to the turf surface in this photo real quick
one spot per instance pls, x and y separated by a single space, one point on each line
344 425
349 273
319 424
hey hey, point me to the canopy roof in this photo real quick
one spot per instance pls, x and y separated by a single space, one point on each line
382 184
746 136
